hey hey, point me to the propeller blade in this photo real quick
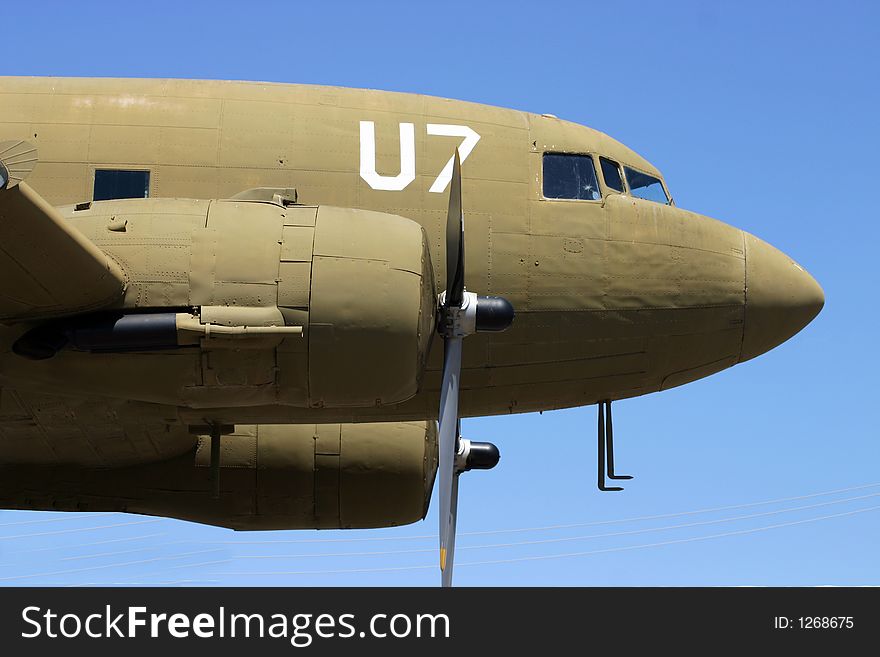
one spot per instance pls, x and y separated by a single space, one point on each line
461 314
446 573
448 433
455 239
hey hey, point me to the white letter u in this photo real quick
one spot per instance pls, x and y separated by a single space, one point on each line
407 158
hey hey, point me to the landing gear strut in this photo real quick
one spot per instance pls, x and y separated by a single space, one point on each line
216 430
216 434
606 448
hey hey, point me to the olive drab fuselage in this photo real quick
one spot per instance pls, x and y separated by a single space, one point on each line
615 297
187 259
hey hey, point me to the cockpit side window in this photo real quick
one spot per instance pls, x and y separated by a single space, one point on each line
569 176
642 185
611 174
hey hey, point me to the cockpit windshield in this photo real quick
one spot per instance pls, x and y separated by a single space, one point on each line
643 185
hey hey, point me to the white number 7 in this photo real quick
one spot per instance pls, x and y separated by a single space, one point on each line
470 140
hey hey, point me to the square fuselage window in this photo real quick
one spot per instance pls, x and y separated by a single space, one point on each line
116 183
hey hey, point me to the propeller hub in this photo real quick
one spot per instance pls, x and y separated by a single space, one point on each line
473 455
458 321
476 314
494 314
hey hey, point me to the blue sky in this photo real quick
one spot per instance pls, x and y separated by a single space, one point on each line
762 114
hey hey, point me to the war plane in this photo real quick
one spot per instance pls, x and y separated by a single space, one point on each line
246 304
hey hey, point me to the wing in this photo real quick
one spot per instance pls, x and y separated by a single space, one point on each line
47 267
41 429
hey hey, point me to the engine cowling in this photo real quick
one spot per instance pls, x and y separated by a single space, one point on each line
327 476
371 310
220 282
331 476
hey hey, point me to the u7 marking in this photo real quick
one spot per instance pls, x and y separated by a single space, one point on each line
408 155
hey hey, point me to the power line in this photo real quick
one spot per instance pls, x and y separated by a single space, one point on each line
82 529
544 557
740 532
172 582
554 527
65 517
83 545
473 547
567 538
104 566
115 553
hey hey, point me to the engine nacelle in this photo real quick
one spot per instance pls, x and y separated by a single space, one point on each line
326 476
262 303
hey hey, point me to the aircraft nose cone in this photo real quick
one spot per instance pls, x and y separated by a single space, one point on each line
781 298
